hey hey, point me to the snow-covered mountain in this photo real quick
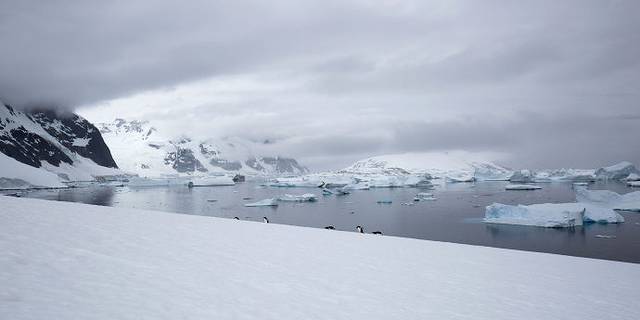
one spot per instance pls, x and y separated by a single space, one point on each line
139 148
45 149
453 165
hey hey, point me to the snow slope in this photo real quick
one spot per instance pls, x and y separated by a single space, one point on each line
73 261
139 148
438 164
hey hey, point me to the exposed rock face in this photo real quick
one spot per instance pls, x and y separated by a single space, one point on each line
77 135
36 136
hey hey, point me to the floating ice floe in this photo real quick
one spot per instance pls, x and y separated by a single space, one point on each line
263 203
610 199
424 196
461 177
617 171
632 177
635 184
522 187
581 184
213 181
307 197
299 182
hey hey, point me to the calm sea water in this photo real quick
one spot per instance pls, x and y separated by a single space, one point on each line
455 216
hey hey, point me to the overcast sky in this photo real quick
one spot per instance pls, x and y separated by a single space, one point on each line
546 83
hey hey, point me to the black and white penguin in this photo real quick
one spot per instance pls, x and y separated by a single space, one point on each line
265 220
330 227
359 229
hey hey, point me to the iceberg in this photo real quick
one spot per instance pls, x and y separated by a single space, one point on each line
610 199
307 197
211 181
423 182
542 215
635 184
522 187
263 203
300 182
424 196
356 186
522 176
578 175
617 171
460 177
632 177
386 182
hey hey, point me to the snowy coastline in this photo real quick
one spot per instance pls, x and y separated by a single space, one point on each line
68 260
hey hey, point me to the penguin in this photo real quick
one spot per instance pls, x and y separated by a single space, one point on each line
236 218
330 227
359 229
265 219
377 232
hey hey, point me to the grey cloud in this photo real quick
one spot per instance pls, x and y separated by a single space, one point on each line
345 79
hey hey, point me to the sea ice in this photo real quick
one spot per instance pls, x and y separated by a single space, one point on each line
212 181
632 177
633 184
307 197
522 187
263 203
522 176
424 196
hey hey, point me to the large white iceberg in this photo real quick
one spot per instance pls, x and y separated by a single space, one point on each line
617 171
542 215
610 199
